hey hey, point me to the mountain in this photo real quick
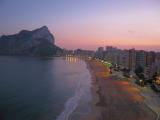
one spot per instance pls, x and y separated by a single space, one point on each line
39 42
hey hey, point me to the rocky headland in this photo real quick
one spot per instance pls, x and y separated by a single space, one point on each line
38 42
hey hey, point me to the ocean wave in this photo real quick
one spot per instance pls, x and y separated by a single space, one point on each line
82 89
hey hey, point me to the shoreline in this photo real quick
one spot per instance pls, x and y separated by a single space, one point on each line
76 107
111 97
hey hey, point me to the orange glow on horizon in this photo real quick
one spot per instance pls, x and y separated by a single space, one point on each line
134 30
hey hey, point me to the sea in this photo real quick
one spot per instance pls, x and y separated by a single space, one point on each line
44 88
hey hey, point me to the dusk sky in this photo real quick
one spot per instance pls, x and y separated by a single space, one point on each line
87 24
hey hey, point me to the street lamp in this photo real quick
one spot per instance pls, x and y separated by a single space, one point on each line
131 76
141 82
158 80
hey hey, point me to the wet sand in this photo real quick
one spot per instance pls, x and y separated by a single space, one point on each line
115 99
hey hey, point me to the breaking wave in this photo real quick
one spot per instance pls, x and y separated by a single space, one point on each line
81 97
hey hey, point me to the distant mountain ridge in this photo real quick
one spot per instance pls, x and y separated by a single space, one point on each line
38 42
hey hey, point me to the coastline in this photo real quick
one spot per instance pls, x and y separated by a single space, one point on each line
115 99
76 107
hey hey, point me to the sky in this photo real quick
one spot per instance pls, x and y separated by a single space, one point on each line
87 24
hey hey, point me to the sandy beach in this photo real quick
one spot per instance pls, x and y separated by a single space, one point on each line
115 99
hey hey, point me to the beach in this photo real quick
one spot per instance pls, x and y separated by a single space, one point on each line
114 98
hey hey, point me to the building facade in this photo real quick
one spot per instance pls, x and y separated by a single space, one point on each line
132 57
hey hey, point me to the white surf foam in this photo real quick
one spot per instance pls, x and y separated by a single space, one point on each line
82 89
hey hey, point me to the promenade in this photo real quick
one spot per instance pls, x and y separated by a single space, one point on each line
115 99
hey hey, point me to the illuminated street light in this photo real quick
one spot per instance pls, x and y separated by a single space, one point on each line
157 80
131 76
141 82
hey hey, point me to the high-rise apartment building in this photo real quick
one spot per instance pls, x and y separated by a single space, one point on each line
100 50
132 53
150 58
141 58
